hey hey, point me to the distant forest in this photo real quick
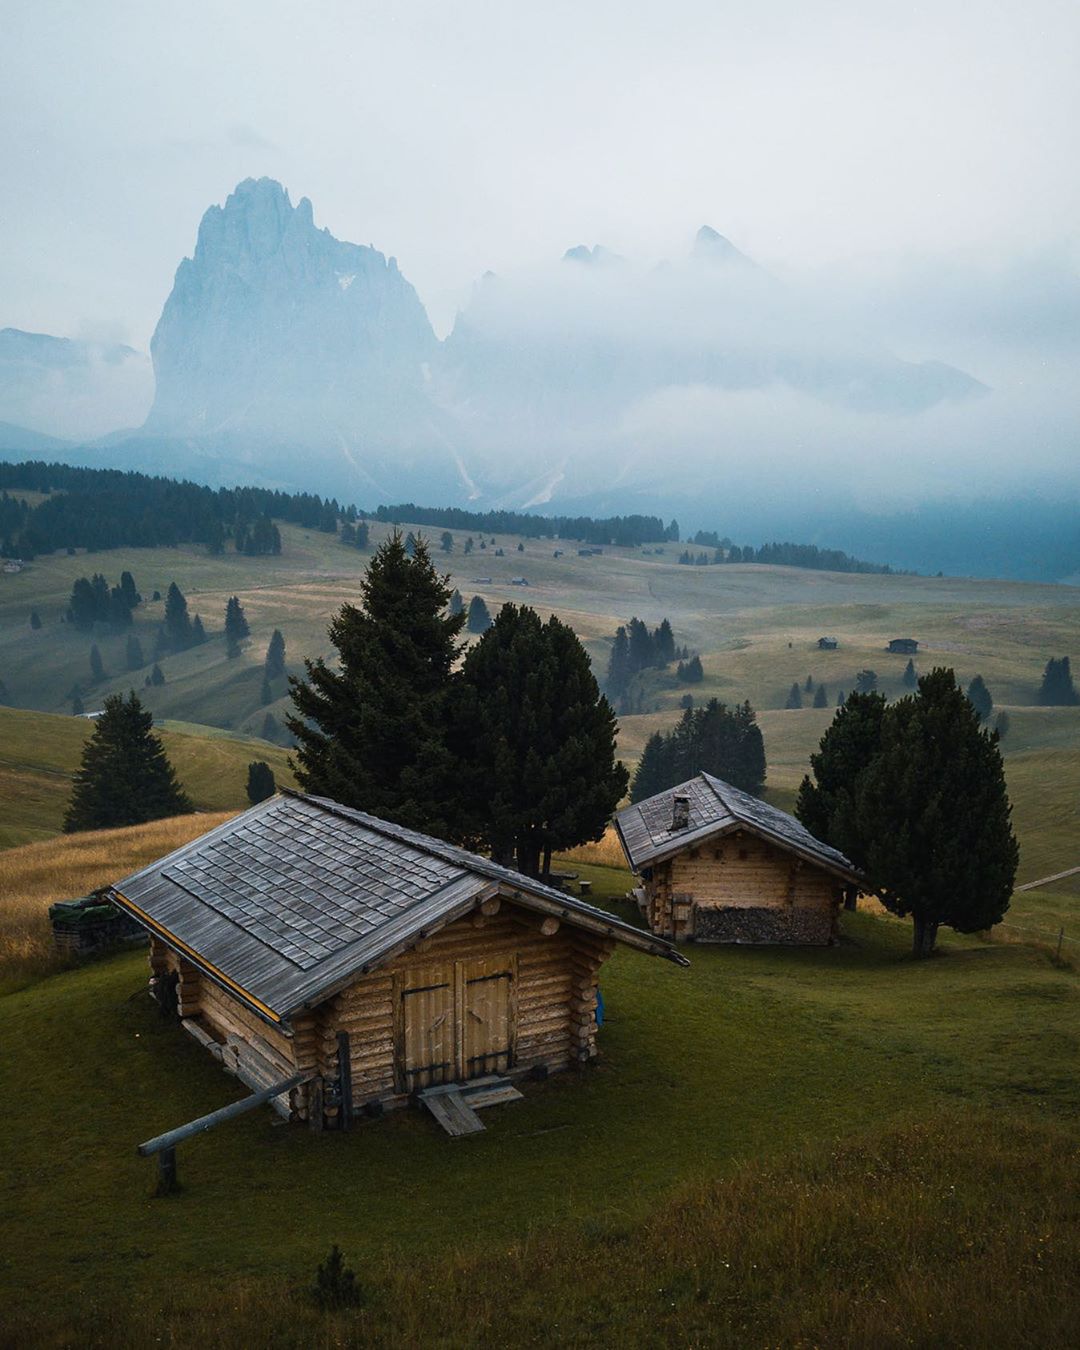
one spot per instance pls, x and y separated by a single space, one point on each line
100 509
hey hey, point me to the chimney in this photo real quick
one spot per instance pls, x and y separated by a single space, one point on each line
680 812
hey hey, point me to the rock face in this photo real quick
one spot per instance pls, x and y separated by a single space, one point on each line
278 336
54 389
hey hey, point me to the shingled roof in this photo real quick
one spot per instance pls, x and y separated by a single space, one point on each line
716 808
297 897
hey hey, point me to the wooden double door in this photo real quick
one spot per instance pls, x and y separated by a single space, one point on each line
455 1021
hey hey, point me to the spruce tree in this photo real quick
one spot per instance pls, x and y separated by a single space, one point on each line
236 624
157 676
128 590
35 619
826 801
979 698
177 622
77 707
373 733
97 666
446 541
457 604
652 774
270 728
125 777
665 643
275 656
1057 689
909 678
479 615
866 681
821 697
935 815
260 782
198 632
794 698
809 685
536 740
134 653
618 671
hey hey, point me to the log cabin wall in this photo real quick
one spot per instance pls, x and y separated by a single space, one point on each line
553 1000
741 888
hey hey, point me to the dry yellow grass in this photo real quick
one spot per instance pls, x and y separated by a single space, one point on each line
607 852
34 876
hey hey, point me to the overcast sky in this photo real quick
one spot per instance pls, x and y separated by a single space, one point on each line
463 135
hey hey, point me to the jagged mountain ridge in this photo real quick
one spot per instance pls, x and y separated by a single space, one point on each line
278 338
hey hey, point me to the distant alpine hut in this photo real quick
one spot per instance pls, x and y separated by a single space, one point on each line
305 937
903 646
828 644
718 865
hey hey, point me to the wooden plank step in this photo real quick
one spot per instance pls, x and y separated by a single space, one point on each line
492 1096
450 1110
489 1080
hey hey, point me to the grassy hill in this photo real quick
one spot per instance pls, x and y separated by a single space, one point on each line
39 752
776 1147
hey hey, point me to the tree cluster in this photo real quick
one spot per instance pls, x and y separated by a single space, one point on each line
636 648
513 751
716 739
1057 689
94 601
913 793
625 531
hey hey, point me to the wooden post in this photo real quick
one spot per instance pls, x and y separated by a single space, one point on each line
167 1182
315 1106
1061 939
344 1054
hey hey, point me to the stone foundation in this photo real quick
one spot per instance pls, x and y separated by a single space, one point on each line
763 925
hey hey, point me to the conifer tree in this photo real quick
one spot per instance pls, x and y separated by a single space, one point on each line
618 671
275 656
77 708
826 801
125 777
266 693
866 681
909 678
260 782
157 676
809 685
446 541
821 698
794 698
177 622
479 615
665 643
134 653
97 666
539 741
980 699
457 604
35 619
373 734
128 591
1057 689
198 632
934 813
236 624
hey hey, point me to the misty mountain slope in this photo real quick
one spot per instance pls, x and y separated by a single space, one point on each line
276 334
65 389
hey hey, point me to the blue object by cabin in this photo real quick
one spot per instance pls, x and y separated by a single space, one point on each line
599 1007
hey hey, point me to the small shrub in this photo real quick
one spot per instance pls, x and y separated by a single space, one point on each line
335 1284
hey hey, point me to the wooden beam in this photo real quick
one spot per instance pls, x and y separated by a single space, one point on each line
345 1078
491 906
547 924
171 1138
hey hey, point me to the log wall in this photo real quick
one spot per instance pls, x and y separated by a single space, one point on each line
742 889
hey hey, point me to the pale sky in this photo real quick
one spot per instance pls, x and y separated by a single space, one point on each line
463 135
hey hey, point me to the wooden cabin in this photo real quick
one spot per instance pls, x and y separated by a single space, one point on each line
303 936
903 646
828 644
718 865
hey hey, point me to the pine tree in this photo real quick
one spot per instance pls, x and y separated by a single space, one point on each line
198 632
536 740
236 624
77 708
469 544
410 544
934 812
980 699
260 782
866 681
177 622
664 640
909 678
794 698
97 666
125 777
373 734
653 773
479 615
363 531
821 698
457 604
35 619
446 541
134 653
128 591
809 685
157 676
275 656
826 801
270 728
618 671
1057 689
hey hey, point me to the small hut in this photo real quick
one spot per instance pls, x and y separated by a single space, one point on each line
305 937
903 646
827 644
717 865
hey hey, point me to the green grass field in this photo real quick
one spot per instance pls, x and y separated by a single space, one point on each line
40 752
751 1070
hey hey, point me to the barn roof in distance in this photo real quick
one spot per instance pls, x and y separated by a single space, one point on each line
716 808
298 896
